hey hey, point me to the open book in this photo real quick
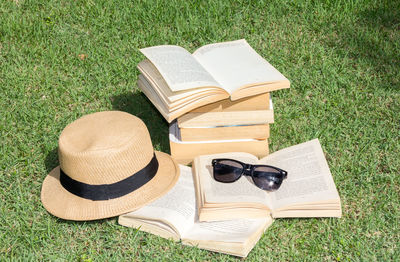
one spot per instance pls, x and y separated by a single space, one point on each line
174 216
308 191
177 81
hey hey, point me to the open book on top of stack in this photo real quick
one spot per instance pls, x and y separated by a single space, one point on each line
177 82
174 216
308 191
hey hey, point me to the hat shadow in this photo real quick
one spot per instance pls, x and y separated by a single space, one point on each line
136 103
51 160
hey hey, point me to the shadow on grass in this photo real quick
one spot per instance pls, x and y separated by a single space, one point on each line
51 160
383 16
89 222
137 104
372 40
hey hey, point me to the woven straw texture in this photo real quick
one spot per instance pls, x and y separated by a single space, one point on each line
104 148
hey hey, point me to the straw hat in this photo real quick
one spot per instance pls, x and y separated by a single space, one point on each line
107 167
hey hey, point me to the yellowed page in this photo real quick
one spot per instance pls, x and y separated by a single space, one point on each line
238 230
174 215
236 64
220 214
159 228
150 92
216 236
161 87
240 191
176 208
172 113
309 178
178 67
309 213
183 104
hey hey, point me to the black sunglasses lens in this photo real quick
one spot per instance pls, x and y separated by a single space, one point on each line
227 171
267 178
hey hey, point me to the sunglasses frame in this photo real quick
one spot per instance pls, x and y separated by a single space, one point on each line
247 169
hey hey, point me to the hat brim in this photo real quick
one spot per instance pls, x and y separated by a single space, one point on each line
63 204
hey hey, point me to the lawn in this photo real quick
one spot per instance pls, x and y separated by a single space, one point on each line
60 60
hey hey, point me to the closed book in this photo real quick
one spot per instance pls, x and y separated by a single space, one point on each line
227 117
185 151
258 132
257 102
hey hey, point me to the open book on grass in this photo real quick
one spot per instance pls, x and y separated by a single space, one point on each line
308 191
180 81
174 216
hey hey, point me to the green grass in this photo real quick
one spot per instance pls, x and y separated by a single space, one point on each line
342 58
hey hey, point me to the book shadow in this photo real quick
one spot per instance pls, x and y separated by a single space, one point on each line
136 103
360 47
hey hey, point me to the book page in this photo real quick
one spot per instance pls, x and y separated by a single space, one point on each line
236 64
159 100
178 67
177 207
309 179
156 81
239 230
151 94
240 191
158 227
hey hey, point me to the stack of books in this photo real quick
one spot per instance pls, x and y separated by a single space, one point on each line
226 126
216 100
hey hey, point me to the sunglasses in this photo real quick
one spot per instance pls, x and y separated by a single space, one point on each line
265 177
